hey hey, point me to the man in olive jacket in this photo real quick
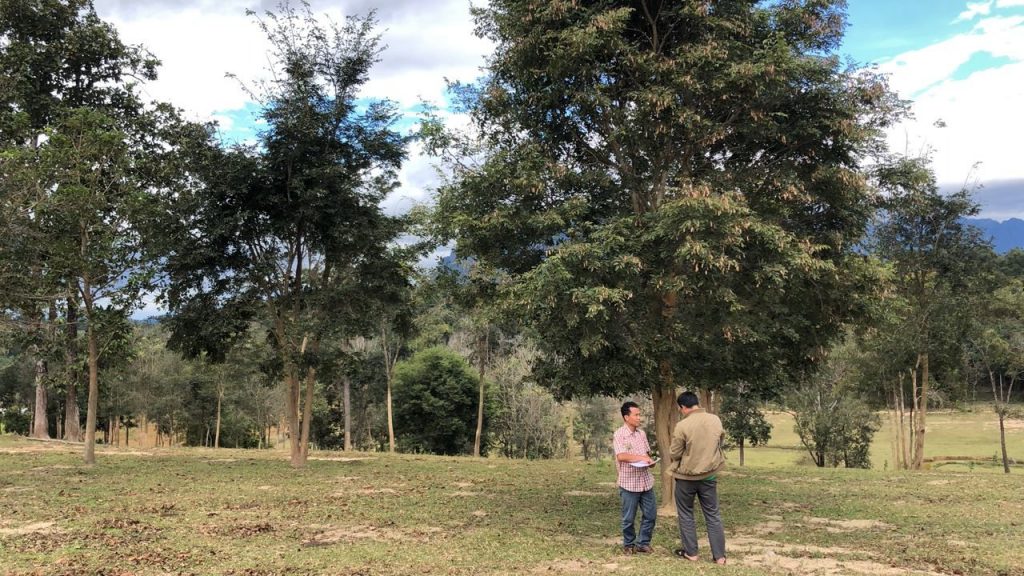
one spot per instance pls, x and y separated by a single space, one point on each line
695 459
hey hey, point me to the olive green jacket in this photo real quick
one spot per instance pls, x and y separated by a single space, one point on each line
696 451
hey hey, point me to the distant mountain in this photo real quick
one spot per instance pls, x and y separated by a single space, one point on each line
1005 235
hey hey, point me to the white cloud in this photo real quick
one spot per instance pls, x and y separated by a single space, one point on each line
200 41
974 9
1009 3
980 110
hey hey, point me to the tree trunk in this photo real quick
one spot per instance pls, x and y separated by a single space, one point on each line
666 410
220 398
307 413
741 451
1002 441
904 445
94 394
483 344
72 422
921 412
292 410
390 358
666 414
391 417
40 422
346 397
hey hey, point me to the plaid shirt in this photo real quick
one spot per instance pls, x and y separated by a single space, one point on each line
632 442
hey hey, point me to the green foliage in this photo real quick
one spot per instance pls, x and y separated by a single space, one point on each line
667 203
527 421
435 403
290 233
834 425
1011 264
743 420
57 55
593 425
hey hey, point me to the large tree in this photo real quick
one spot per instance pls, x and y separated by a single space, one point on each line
291 232
935 257
673 187
92 219
56 56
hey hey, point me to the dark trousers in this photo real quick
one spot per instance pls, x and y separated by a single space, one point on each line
645 502
707 492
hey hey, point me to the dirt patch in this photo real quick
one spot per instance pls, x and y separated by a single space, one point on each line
479 513
463 484
800 559
341 458
848 525
30 528
753 545
575 567
465 494
822 566
370 491
350 534
585 493
770 526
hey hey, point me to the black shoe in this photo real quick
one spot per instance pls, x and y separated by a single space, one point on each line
644 549
628 549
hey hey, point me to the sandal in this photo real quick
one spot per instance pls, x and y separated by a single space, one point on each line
682 554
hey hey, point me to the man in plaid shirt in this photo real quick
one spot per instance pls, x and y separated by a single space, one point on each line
636 485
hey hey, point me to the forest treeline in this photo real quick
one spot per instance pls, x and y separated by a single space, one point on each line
647 197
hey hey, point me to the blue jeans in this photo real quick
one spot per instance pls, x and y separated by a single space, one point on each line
630 502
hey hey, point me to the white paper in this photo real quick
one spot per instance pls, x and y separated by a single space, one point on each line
644 464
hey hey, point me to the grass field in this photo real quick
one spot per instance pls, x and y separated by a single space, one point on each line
232 512
951 434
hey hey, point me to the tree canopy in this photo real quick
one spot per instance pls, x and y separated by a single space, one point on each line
674 188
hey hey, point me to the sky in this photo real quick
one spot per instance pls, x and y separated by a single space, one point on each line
960 62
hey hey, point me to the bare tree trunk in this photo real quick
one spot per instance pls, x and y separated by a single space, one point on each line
220 398
666 414
483 352
346 397
292 413
1000 398
666 411
40 422
73 424
921 409
1002 441
94 395
307 413
904 425
391 416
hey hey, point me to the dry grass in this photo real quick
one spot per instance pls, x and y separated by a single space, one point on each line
235 512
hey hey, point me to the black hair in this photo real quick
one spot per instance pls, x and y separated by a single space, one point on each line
688 400
627 406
